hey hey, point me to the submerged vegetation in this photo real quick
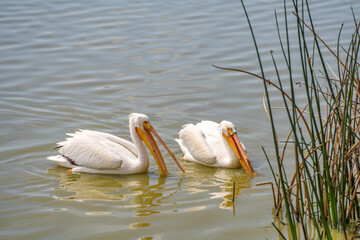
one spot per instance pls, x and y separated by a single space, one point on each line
322 187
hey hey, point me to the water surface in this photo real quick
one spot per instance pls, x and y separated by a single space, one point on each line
87 64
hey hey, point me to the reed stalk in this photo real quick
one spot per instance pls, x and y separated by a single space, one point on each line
324 130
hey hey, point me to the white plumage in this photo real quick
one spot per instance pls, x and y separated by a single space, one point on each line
98 152
213 144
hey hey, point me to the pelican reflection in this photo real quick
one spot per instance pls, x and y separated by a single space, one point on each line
218 182
142 192
147 194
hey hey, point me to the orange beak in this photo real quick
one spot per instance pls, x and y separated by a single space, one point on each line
149 140
237 147
166 147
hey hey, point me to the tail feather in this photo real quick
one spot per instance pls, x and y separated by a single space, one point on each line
61 161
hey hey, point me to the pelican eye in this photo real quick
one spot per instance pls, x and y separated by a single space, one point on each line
228 129
146 124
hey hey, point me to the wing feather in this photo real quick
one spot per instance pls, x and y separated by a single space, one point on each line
194 139
123 142
97 150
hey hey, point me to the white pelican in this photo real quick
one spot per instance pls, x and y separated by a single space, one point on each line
98 152
213 144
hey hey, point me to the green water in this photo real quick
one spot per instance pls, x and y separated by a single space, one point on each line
87 64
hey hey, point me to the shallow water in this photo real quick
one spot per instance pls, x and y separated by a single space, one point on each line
66 65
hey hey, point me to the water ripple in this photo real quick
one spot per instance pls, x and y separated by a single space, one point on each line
87 64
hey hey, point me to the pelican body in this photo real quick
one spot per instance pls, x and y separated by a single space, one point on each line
98 152
214 144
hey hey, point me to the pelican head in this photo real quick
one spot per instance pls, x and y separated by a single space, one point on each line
229 132
141 124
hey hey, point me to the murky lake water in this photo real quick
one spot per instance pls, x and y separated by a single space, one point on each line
66 65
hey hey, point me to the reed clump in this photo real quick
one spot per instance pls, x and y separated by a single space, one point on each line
322 189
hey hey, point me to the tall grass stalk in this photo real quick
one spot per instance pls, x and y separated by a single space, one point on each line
324 130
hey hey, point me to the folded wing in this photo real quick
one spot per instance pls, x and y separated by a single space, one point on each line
96 150
194 141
